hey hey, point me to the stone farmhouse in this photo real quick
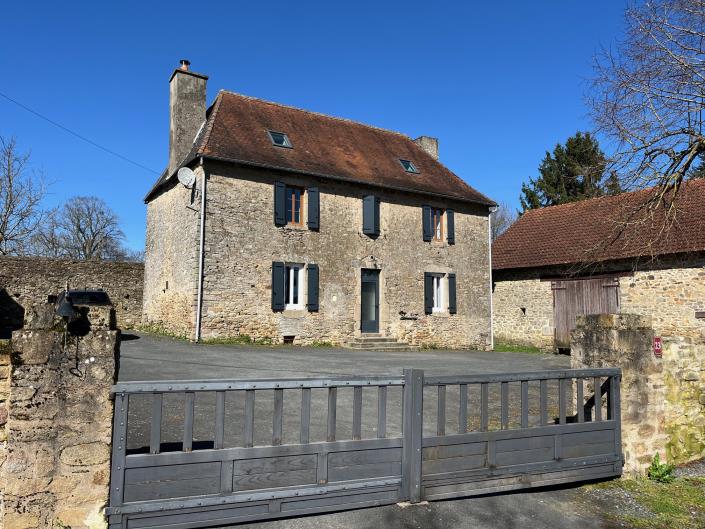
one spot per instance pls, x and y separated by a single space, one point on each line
616 254
293 226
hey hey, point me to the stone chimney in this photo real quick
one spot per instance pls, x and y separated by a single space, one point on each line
428 144
187 111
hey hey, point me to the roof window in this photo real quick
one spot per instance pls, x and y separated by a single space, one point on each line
280 139
409 166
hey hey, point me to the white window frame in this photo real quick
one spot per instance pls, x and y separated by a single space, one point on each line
439 293
294 275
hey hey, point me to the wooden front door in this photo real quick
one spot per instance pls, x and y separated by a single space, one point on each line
581 296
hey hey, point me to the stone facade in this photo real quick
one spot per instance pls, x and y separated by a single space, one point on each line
25 281
56 466
670 294
171 260
522 312
670 291
241 242
663 408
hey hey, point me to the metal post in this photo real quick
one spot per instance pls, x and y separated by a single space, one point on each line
413 434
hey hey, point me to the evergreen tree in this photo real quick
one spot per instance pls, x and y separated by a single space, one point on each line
574 171
698 171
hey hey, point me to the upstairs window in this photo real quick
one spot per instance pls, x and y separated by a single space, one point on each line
293 205
280 139
409 166
437 223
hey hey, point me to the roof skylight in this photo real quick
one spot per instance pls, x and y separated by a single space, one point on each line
280 139
409 166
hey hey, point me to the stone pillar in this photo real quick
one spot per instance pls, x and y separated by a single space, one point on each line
4 403
57 468
662 408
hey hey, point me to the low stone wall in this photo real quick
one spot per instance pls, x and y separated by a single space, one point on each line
26 281
56 466
663 399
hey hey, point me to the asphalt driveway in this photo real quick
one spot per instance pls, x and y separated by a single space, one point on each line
146 357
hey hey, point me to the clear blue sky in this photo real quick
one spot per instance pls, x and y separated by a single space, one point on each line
498 83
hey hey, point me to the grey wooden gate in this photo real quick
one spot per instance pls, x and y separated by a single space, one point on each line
203 480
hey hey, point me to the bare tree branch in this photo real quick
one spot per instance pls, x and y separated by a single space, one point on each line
503 217
648 95
84 228
21 193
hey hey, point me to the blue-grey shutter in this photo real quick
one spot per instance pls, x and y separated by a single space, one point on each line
278 285
314 209
427 222
312 287
279 204
370 215
450 220
427 293
452 304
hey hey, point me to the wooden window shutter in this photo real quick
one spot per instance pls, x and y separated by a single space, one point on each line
452 303
279 204
278 286
427 223
450 220
312 286
370 215
428 293
314 208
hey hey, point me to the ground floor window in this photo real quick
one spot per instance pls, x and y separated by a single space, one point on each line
293 293
438 294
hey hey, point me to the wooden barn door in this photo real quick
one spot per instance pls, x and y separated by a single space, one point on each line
581 296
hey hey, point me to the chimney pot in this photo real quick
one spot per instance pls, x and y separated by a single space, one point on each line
185 63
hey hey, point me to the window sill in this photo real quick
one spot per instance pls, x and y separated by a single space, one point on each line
440 313
295 313
439 244
295 227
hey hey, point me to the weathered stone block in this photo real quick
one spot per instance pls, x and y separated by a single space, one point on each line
33 347
85 454
21 521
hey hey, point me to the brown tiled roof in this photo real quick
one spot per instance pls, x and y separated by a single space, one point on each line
604 229
237 131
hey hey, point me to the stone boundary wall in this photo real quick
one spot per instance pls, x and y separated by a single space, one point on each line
26 281
663 399
55 469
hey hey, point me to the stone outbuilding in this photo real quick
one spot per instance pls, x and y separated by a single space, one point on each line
280 224
618 254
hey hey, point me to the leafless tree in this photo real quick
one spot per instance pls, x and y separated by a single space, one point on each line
83 228
503 217
649 94
21 193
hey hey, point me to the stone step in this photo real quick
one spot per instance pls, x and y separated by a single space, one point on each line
379 339
385 346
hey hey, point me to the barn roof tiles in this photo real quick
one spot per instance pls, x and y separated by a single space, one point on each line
624 226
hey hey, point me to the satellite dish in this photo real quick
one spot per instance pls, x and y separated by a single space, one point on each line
186 177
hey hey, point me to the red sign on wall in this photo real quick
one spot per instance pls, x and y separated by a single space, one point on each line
658 347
